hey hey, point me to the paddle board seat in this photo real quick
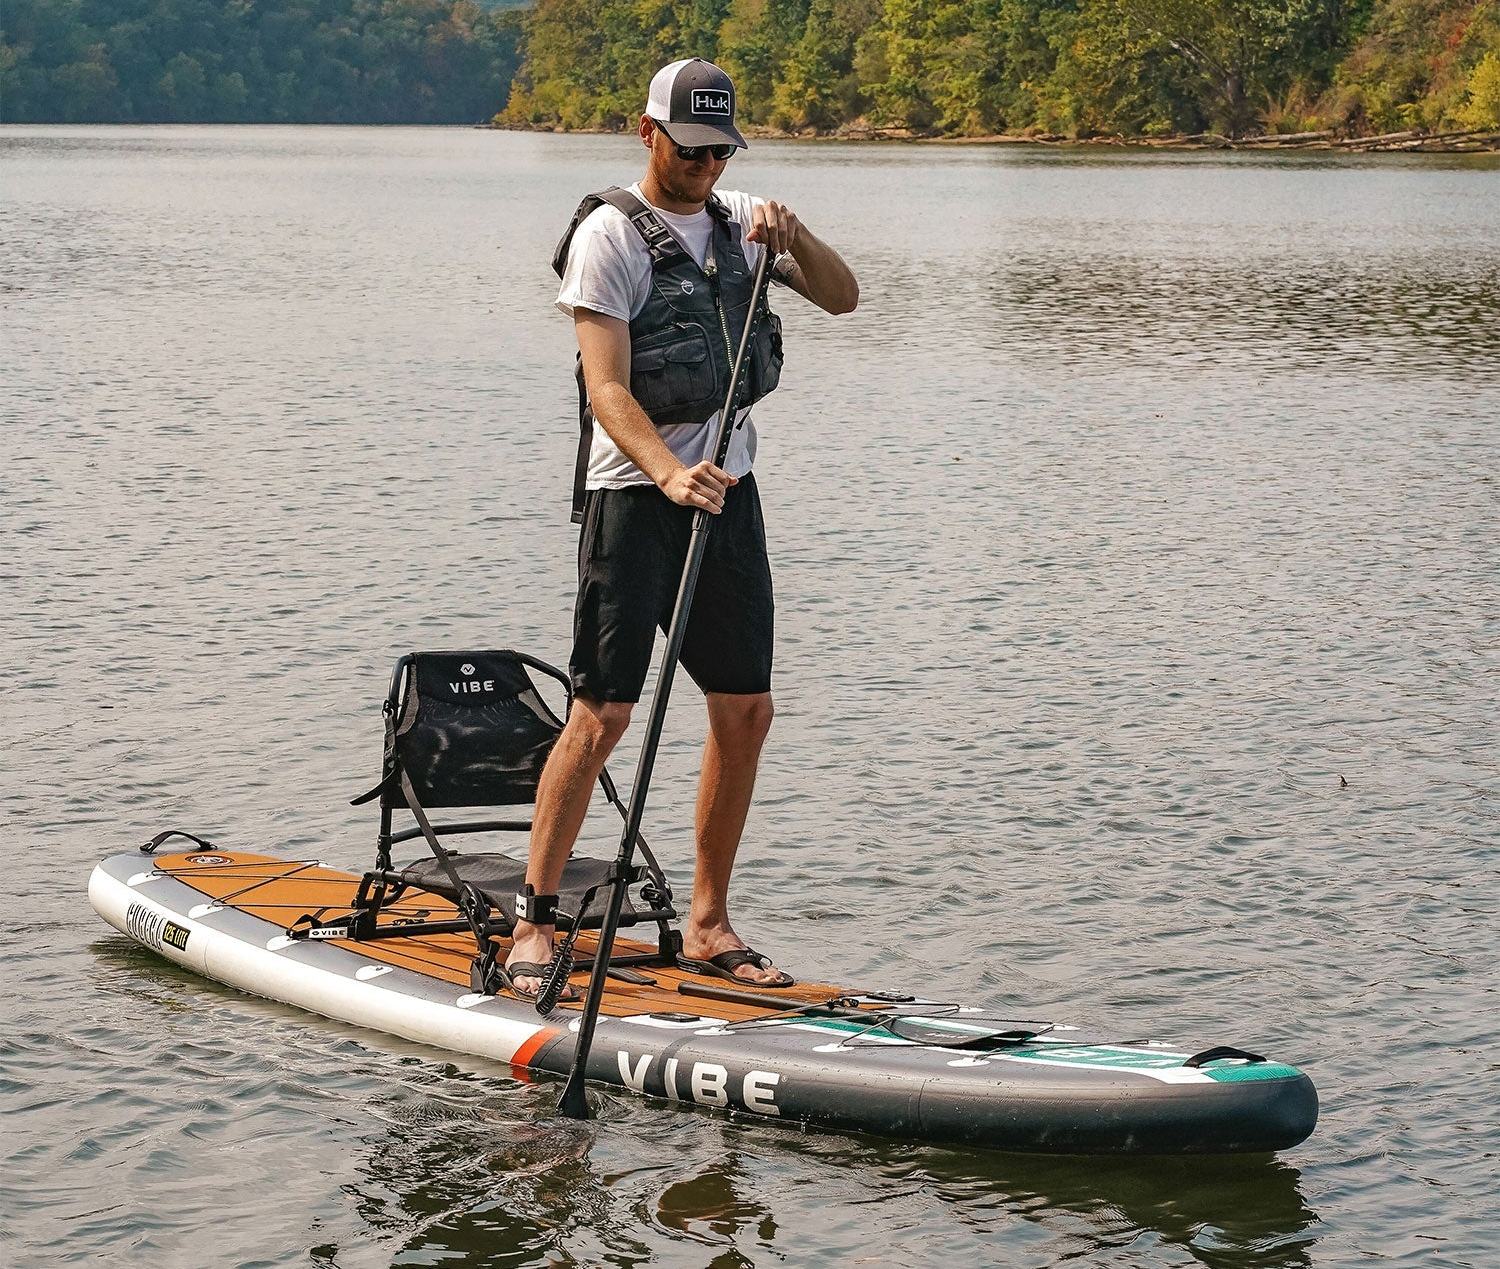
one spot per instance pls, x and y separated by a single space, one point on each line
469 730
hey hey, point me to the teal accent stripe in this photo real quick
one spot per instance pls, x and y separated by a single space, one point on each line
1250 1071
1070 1053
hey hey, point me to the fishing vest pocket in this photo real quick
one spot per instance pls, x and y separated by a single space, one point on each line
672 375
765 364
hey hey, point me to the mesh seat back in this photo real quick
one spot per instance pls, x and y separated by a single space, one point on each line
473 731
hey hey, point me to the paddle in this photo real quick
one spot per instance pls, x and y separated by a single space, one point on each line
885 1017
574 1103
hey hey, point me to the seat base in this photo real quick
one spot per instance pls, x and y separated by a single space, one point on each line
499 877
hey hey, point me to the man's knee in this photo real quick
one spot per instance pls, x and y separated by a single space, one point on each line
743 720
596 726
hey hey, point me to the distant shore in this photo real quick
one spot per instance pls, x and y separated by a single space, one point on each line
1483 141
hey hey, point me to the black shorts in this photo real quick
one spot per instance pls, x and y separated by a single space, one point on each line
630 557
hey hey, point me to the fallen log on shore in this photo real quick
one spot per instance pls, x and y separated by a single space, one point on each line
1473 141
1273 139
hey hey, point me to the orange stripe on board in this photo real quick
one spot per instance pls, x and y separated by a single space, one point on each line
521 1058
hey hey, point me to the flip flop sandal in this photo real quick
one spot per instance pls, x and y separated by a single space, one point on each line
529 969
725 963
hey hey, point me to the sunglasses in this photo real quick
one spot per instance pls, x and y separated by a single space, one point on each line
688 153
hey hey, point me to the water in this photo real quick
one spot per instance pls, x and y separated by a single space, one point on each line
1135 545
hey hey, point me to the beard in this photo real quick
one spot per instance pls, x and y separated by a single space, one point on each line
684 182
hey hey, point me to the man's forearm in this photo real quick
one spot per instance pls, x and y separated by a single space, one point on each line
821 275
629 427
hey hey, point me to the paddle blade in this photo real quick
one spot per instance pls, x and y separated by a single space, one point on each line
574 1102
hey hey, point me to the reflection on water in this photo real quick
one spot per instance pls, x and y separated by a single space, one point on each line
1135 548
462 1183
453 1181
707 1206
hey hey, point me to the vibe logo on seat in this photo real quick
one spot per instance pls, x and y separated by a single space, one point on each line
470 685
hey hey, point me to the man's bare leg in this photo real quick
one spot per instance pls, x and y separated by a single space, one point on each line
562 801
737 728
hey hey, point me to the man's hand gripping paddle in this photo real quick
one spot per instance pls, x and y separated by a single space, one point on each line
574 1102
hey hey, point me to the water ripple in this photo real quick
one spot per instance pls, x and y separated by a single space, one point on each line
1135 548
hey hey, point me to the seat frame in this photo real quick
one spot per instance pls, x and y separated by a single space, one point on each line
384 884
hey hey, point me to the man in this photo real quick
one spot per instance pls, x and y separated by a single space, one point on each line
654 278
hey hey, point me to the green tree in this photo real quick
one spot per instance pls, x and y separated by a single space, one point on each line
87 90
816 84
182 90
756 39
1482 108
1236 52
901 97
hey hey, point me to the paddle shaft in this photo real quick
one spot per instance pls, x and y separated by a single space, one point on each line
779 1003
886 1016
574 1102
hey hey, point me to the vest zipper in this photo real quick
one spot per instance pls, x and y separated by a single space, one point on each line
711 267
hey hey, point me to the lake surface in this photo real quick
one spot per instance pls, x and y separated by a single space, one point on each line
1136 547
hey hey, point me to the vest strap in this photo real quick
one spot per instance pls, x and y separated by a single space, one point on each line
585 442
666 251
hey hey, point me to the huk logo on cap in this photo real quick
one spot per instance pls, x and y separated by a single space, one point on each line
711 101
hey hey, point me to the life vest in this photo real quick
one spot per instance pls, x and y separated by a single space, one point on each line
682 343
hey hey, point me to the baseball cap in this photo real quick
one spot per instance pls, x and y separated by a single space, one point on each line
696 99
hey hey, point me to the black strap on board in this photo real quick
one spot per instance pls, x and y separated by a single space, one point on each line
1222 1051
149 848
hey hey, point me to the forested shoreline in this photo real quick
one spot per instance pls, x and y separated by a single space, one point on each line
1044 69
255 61
1062 68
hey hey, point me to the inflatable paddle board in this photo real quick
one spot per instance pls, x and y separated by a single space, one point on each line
872 1061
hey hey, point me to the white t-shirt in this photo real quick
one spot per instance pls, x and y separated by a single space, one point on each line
609 272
